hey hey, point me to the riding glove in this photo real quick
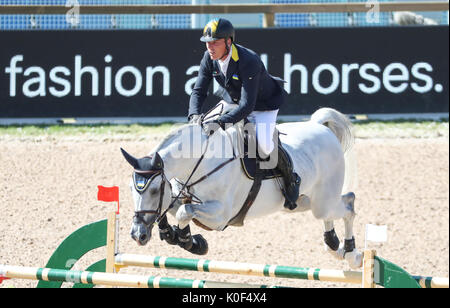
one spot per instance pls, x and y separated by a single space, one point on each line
211 126
195 119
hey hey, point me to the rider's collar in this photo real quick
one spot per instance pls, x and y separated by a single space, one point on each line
234 53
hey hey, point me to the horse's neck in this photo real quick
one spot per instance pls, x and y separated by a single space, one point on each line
183 150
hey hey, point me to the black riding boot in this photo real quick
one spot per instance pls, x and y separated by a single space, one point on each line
291 180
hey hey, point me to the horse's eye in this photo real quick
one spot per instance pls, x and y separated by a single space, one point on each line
153 191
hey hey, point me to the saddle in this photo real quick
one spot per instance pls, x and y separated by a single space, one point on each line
250 165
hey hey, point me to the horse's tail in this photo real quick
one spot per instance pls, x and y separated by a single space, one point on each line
341 126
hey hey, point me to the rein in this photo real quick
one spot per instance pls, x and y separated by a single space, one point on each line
184 190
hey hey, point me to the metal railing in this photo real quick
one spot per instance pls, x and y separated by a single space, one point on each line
268 9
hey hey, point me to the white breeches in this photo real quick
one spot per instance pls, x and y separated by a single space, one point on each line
265 122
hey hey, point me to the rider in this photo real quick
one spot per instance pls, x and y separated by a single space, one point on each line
244 81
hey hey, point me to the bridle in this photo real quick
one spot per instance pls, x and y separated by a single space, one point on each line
139 215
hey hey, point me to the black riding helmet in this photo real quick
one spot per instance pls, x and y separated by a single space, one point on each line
218 29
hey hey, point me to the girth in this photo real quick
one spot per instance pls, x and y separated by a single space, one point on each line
238 220
252 169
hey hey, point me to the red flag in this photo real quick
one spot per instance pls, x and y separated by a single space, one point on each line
108 194
3 278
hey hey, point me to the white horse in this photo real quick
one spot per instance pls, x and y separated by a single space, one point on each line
317 150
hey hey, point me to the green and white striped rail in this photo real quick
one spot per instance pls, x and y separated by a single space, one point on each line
432 282
110 279
202 265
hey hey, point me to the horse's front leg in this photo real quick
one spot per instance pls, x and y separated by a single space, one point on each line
210 213
173 235
167 232
195 244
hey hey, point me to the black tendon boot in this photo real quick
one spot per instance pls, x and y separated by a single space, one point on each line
167 232
291 180
184 238
195 244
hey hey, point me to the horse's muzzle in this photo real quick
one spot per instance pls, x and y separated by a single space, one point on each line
141 233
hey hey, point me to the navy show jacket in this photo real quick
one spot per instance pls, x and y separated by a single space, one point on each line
247 84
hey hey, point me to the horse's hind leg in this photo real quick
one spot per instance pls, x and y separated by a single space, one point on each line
332 241
347 250
351 254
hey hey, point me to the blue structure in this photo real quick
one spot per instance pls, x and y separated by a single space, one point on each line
182 21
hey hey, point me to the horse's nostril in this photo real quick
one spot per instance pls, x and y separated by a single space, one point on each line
143 237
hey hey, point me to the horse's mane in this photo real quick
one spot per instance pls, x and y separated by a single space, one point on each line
172 134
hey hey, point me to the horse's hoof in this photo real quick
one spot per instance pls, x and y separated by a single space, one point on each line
338 254
354 259
199 245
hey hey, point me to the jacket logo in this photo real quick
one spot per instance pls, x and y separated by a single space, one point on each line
235 77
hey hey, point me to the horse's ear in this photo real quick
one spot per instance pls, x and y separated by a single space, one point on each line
130 159
157 162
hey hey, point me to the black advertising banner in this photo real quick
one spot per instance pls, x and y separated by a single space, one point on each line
151 73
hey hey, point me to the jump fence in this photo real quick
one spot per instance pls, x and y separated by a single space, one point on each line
376 270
